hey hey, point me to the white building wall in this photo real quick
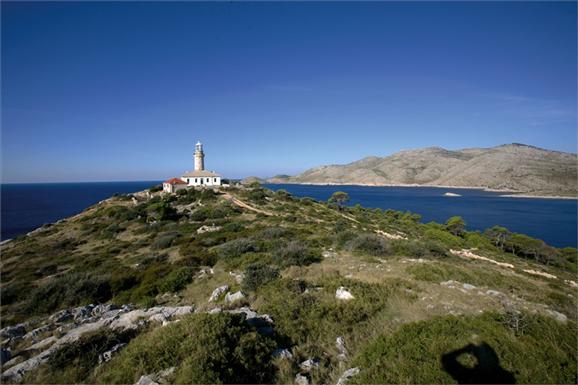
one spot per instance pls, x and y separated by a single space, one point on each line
203 181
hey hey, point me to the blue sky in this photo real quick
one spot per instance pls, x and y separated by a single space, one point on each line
122 91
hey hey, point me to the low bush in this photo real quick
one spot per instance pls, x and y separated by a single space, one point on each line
68 290
164 240
370 244
419 249
295 253
237 247
75 361
204 348
257 275
176 280
444 237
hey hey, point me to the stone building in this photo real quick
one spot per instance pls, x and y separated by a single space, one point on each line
174 185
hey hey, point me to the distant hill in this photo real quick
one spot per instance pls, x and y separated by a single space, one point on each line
516 167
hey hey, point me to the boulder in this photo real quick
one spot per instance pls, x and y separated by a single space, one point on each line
284 354
347 375
309 364
343 294
217 292
208 229
467 286
38 331
253 318
43 344
61 316
234 297
13 331
82 313
146 380
557 316
340 344
107 356
301 379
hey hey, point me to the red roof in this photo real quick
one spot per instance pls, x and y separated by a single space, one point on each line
175 181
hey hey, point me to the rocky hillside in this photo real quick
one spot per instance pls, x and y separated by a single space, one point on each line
244 285
514 167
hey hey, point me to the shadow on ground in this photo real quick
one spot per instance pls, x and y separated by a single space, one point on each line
486 370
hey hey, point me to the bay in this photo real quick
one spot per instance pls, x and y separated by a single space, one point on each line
552 220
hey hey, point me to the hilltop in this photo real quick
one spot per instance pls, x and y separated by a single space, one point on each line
246 285
512 167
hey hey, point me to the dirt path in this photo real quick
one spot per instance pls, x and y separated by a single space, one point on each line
242 204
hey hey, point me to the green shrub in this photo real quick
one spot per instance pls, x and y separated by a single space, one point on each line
370 244
164 240
195 255
543 351
74 361
204 348
272 233
456 225
214 212
295 253
237 247
444 237
176 280
258 274
419 249
70 289
162 211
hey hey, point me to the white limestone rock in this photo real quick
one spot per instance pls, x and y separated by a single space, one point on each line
309 364
217 292
146 380
347 375
343 294
107 356
467 286
340 344
284 354
234 297
301 379
557 316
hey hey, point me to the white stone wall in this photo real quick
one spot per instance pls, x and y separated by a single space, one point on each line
171 188
203 181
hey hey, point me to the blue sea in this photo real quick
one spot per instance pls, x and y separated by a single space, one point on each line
552 220
28 206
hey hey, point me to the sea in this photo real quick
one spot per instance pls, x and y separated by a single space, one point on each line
552 220
25 207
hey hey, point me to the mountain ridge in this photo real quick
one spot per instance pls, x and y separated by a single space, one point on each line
514 167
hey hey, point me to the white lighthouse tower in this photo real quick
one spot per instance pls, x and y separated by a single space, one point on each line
199 157
200 176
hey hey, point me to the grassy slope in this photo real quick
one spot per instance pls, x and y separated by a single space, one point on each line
113 252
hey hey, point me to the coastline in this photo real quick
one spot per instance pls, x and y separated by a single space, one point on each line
508 193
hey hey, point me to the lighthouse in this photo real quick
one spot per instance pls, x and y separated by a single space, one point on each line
199 176
199 157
